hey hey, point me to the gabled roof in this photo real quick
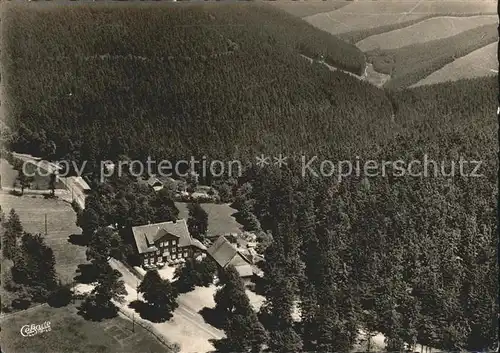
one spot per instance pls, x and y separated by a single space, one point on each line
151 181
224 253
244 270
145 236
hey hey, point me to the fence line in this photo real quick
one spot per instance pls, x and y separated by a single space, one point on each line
150 328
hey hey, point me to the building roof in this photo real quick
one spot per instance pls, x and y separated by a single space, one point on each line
224 253
151 181
80 182
145 236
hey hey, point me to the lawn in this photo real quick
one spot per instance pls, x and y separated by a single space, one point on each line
421 7
425 31
60 226
71 333
220 218
479 63
410 64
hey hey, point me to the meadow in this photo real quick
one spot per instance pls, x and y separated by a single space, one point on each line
60 227
310 7
361 19
410 64
425 31
339 22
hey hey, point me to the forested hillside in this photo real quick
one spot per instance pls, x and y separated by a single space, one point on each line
94 82
412 257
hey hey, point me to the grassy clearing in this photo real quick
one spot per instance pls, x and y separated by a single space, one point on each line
419 7
425 31
339 22
60 226
356 36
412 63
481 62
71 333
220 218
457 7
380 7
309 8
9 176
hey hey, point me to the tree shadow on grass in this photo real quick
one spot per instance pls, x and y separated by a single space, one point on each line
148 312
212 317
78 239
86 273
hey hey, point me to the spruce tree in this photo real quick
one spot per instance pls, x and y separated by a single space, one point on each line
12 234
244 332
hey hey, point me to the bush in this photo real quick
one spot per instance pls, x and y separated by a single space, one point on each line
60 297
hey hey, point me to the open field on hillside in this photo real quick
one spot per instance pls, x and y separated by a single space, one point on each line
60 226
481 62
362 19
311 7
424 31
71 333
410 64
9 175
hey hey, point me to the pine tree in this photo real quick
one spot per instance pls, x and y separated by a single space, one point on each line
197 221
52 183
12 234
244 332
281 293
23 179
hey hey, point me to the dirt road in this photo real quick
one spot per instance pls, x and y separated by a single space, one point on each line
187 327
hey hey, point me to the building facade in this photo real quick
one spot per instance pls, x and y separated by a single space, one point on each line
165 242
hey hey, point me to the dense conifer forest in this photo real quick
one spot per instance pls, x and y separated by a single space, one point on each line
411 257
194 80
